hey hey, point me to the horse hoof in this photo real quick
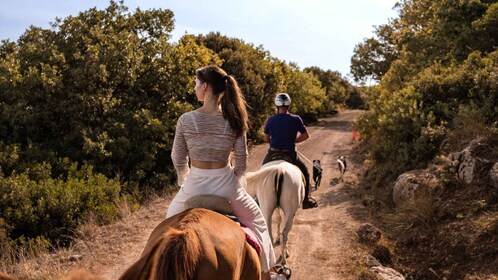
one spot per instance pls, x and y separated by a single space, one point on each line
287 272
279 271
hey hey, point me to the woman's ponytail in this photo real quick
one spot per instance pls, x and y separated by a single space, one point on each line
234 107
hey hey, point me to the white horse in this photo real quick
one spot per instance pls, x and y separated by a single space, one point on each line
278 184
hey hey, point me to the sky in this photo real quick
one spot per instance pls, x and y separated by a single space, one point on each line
319 33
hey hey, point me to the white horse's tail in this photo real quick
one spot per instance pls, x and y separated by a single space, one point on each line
279 182
257 178
263 179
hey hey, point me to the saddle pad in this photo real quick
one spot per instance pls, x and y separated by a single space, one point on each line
251 238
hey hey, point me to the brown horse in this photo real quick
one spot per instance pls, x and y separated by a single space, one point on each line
196 244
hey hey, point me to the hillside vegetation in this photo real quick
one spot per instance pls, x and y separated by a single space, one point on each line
437 68
88 110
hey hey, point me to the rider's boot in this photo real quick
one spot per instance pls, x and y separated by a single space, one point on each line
308 202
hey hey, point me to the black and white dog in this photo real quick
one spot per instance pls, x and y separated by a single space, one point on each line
317 172
341 162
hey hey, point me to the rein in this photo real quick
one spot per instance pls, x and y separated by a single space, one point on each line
317 167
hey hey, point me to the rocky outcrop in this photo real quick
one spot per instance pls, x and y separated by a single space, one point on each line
410 183
470 165
369 234
382 272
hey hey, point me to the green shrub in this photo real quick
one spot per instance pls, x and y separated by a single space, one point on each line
393 125
53 208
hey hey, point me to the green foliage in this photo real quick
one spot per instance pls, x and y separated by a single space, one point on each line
338 91
398 131
88 111
9 156
436 57
373 57
258 79
52 208
356 99
487 27
96 89
261 76
426 32
306 92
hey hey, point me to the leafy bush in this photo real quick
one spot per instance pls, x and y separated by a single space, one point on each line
52 208
88 112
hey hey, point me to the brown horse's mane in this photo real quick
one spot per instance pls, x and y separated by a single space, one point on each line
184 243
175 255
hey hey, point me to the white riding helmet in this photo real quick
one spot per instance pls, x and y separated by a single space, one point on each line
282 99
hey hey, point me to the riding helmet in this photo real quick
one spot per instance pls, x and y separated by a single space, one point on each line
282 99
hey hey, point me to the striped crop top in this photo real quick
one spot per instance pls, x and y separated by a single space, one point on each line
206 137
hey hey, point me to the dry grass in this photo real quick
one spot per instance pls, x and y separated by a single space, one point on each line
485 222
481 277
422 213
93 248
363 273
469 126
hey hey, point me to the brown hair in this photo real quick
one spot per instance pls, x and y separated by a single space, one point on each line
233 104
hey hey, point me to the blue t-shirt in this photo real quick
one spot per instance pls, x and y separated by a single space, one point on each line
283 129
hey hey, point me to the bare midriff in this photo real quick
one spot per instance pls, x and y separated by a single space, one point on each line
209 164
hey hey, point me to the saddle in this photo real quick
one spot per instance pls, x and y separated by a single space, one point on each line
212 202
223 206
280 156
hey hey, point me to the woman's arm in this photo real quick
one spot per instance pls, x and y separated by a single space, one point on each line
179 154
240 155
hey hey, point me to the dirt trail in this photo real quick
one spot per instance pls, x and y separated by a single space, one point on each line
321 242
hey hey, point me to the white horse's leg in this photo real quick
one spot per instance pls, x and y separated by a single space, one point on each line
279 222
267 214
289 221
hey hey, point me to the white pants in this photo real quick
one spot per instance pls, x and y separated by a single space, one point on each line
223 182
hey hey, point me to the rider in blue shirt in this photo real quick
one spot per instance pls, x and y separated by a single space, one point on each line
283 131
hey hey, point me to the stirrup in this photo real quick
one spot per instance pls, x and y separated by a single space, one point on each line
310 203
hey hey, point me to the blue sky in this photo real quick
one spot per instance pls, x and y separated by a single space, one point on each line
319 33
